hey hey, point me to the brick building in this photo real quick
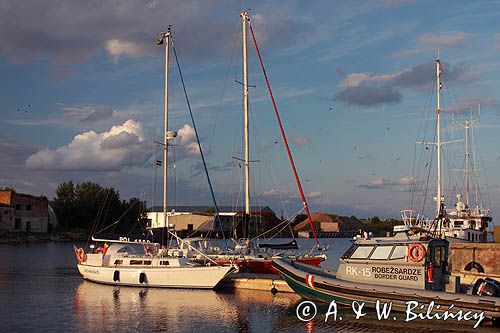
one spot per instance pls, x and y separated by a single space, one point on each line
23 212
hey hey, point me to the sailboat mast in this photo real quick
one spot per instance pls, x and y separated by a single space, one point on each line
165 131
439 180
244 19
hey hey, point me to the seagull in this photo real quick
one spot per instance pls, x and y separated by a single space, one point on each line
388 128
355 147
426 164
397 159
276 142
330 109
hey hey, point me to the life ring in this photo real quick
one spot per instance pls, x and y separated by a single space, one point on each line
81 255
416 252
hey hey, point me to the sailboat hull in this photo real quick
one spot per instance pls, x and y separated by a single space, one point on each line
202 277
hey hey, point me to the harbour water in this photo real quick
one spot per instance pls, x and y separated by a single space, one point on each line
41 290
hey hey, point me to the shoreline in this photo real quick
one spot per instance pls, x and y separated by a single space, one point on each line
17 238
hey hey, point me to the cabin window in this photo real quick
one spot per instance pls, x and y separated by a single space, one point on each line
164 263
399 252
136 262
147 262
349 252
124 249
118 262
190 227
362 252
458 223
381 253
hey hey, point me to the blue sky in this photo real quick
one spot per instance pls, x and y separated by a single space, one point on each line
82 94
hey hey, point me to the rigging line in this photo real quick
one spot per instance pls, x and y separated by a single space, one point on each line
198 141
423 193
416 173
219 107
267 164
285 141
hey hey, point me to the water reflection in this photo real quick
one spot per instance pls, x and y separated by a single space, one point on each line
109 308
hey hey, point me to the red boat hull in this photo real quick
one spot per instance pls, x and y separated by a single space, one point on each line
264 265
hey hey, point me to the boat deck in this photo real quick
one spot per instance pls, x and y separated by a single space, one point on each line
251 281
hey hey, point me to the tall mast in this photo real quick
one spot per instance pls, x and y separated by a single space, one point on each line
165 138
167 135
439 180
244 19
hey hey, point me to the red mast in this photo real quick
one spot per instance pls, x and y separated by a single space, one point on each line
304 202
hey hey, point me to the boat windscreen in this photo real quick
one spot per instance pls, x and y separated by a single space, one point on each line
381 252
362 252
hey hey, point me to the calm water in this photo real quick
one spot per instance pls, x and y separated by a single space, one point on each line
41 290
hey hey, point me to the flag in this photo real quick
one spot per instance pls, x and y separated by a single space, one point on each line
159 40
158 162
239 165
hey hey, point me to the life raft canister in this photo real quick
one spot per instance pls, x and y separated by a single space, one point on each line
416 252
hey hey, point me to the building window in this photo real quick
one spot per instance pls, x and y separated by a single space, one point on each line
6 212
28 207
28 226
18 224
18 207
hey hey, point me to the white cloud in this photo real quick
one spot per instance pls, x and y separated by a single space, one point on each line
355 79
121 146
116 48
186 138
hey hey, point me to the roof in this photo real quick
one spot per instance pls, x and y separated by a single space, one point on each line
203 209
345 222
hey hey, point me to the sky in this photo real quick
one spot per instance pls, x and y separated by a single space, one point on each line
82 99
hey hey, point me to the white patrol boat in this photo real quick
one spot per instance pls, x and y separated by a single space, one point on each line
393 270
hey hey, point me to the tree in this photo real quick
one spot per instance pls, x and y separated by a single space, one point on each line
375 219
64 204
92 207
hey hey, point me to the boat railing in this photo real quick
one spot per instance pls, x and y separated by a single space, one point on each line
413 219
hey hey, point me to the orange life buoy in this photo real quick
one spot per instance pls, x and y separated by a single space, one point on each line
81 255
416 252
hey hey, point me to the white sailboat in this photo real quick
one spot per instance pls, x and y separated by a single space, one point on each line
250 256
143 264
461 223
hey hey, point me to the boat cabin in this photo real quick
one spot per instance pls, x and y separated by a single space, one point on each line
397 261
133 255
